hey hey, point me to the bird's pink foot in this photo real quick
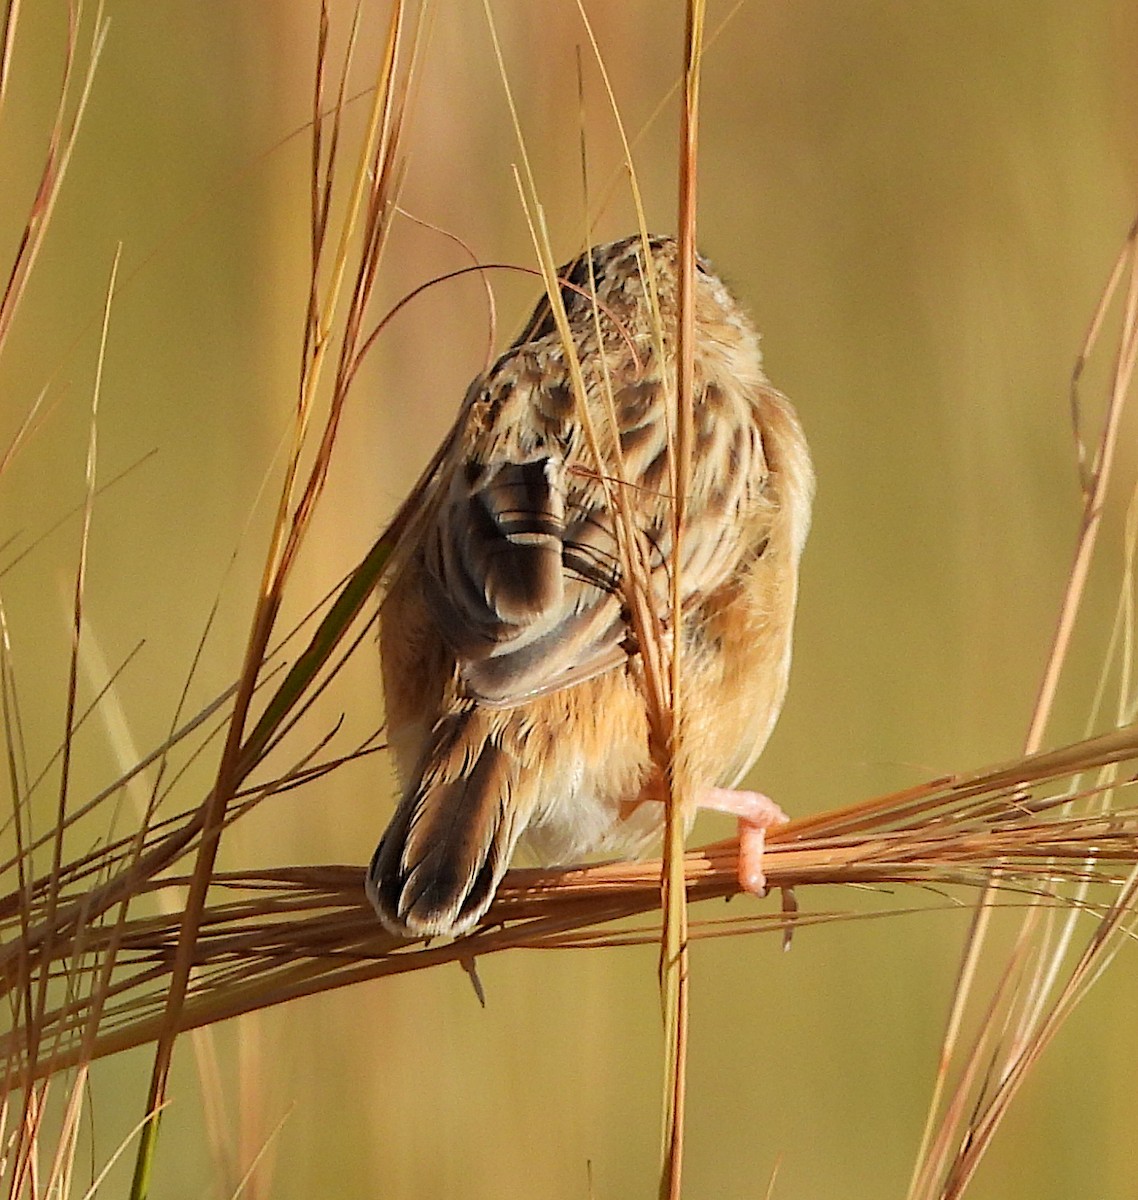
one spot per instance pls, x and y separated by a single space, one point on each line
757 813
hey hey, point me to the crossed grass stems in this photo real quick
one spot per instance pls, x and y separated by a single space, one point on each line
1051 833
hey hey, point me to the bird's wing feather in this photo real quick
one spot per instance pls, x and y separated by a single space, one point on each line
522 561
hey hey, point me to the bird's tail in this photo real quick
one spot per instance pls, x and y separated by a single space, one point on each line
440 861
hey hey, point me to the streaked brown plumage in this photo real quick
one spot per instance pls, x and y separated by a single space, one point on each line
515 696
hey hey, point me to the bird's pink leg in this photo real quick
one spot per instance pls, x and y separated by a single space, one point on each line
757 813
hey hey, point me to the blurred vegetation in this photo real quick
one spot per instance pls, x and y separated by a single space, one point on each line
920 203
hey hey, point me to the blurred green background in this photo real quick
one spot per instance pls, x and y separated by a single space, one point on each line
920 203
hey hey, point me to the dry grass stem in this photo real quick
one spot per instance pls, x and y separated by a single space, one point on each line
362 234
674 958
965 1111
268 937
94 957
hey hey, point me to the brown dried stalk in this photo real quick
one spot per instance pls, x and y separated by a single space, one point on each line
272 936
959 1129
352 272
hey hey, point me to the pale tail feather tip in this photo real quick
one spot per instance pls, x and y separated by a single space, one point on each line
439 863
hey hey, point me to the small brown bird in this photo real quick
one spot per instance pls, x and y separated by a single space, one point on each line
515 690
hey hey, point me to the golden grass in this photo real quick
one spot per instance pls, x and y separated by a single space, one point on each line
271 936
87 976
22 1157
363 231
663 673
966 1109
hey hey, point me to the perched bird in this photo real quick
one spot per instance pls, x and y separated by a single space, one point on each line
514 685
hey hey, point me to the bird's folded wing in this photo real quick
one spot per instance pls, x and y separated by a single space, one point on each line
523 566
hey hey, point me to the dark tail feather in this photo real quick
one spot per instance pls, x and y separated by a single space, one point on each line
442 857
